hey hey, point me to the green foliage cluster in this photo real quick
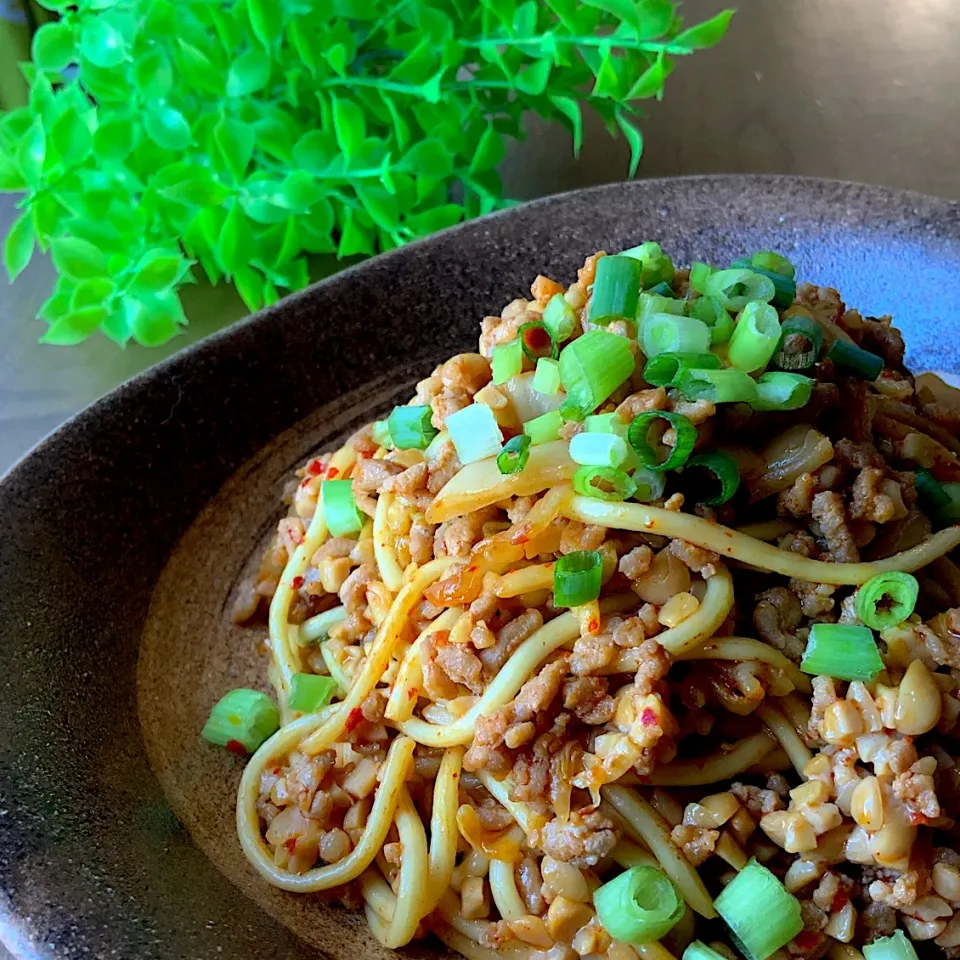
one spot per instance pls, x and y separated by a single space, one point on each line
244 135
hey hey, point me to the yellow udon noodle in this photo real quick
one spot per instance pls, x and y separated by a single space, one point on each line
746 648
642 518
383 549
503 886
414 866
789 739
444 835
394 773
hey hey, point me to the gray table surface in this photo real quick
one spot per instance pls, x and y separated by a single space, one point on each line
854 89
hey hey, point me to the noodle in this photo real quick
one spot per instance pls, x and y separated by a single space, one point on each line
413 866
746 648
729 543
783 730
443 826
503 886
383 549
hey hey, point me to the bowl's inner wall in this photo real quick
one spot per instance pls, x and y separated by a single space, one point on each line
92 861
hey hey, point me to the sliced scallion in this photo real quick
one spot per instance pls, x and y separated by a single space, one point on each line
894 947
593 366
710 311
663 290
852 358
717 386
699 274
887 599
650 303
559 317
950 514
662 370
800 342
605 423
309 692
544 428
932 494
615 290
768 260
698 950
577 578
604 483
725 472
844 651
650 484
317 628
758 909
475 433
782 391
340 508
755 337
736 288
410 427
536 341
572 411
507 361
514 455
598 449
784 287
242 720
657 266
380 432
641 905
667 333
638 435
546 378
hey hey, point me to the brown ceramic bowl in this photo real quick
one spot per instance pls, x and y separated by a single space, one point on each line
125 534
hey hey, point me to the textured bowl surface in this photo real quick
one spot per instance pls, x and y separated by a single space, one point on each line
125 533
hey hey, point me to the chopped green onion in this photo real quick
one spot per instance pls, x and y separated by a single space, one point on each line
536 341
699 274
598 449
755 337
593 366
950 514
662 370
887 599
856 360
380 432
782 391
651 303
410 427
340 511
736 288
242 720
844 651
710 311
698 950
776 262
559 318
724 468
577 578
641 905
571 411
934 497
638 437
475 433
663 290
761 913
514 455
604 483
650 484
615 290
544 428
657 266
507 361
793 332
717 386
894 947
317 628
785 288
309 692
605 423
546 378
666 333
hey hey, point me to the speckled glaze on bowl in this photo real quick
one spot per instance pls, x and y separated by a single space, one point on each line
116 822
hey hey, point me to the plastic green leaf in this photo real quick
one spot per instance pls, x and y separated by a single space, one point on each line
380 204
32 153
300 191
607 84
55 307
354 238
315 150
235 246
349 125
633 137
570 109
248 73
274 137
115 139
153 74
53 46
104 84
437 219
157 270
656 18
156 318
198 70
95 292
266 20
428 158
70 138
625 10
706 34
535 78
490 151
199 188
650 82
234 140
250 286
74 327
102 43
11 179
303 44
167 127
78 258
18 247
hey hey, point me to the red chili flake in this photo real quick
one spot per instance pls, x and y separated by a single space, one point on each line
315 467
354 719
471 569
291 845
332 472
593 626
520 538
412 693
648 718
840 899
277 771
807 940
304 481
917 818
297 583
235 746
